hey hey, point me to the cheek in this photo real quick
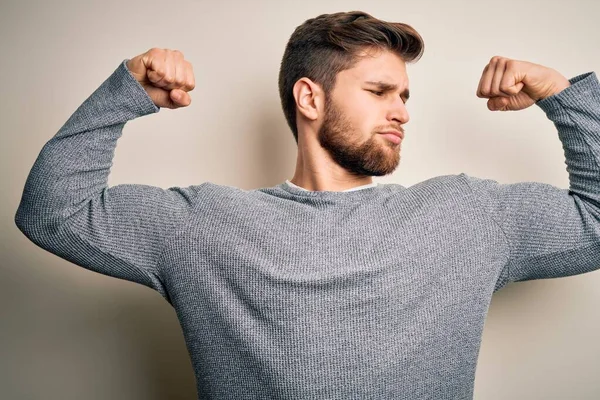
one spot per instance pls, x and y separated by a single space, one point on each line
362 113
366 118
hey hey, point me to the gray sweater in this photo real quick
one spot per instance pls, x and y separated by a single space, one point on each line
283 293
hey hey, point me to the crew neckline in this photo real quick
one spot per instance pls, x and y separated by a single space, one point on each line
352 196
368 185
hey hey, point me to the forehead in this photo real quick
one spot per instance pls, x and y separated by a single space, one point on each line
379 65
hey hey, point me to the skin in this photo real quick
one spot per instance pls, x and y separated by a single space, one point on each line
165 75
512 85
340 145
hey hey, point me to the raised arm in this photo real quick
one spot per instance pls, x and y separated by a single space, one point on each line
67 207
550 232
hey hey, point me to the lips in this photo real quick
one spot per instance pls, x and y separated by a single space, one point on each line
396 133
395 136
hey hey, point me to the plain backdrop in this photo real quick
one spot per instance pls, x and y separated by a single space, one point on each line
68 333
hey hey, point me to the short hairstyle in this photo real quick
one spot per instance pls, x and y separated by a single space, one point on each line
322 47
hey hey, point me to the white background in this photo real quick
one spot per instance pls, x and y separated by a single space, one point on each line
68 333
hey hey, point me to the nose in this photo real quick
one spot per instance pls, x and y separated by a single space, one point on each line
398 112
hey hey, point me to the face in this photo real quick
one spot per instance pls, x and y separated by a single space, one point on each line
366 100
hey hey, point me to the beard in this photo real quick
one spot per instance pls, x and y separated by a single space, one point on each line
339 138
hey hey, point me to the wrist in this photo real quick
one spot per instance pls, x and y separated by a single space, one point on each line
557 88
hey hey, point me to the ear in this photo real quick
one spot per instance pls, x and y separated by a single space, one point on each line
309 98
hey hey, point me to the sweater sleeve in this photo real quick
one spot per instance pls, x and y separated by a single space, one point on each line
552 232
68 209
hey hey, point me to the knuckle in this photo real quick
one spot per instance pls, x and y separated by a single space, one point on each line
187 85
154 51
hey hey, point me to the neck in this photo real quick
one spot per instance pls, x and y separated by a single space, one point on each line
316 171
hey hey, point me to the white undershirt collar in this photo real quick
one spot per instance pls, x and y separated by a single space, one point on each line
348 190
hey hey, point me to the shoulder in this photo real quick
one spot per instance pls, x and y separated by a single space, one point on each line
450 185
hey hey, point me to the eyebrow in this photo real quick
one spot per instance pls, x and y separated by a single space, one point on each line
384 86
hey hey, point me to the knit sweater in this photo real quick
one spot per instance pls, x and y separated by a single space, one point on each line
285 293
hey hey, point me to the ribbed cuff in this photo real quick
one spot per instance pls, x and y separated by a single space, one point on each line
584 93
136 90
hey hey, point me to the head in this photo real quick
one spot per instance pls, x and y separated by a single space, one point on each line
324 86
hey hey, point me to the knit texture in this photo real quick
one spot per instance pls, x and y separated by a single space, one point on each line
283 293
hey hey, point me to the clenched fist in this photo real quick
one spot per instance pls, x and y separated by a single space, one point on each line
512 85
165 75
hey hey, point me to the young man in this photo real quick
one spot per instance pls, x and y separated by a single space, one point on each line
328 286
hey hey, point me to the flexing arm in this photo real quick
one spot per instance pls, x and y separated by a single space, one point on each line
67 207
550 232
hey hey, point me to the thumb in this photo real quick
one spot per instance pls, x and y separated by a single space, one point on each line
497 103
513 88
180 98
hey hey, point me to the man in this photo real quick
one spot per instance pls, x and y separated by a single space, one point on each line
328 286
